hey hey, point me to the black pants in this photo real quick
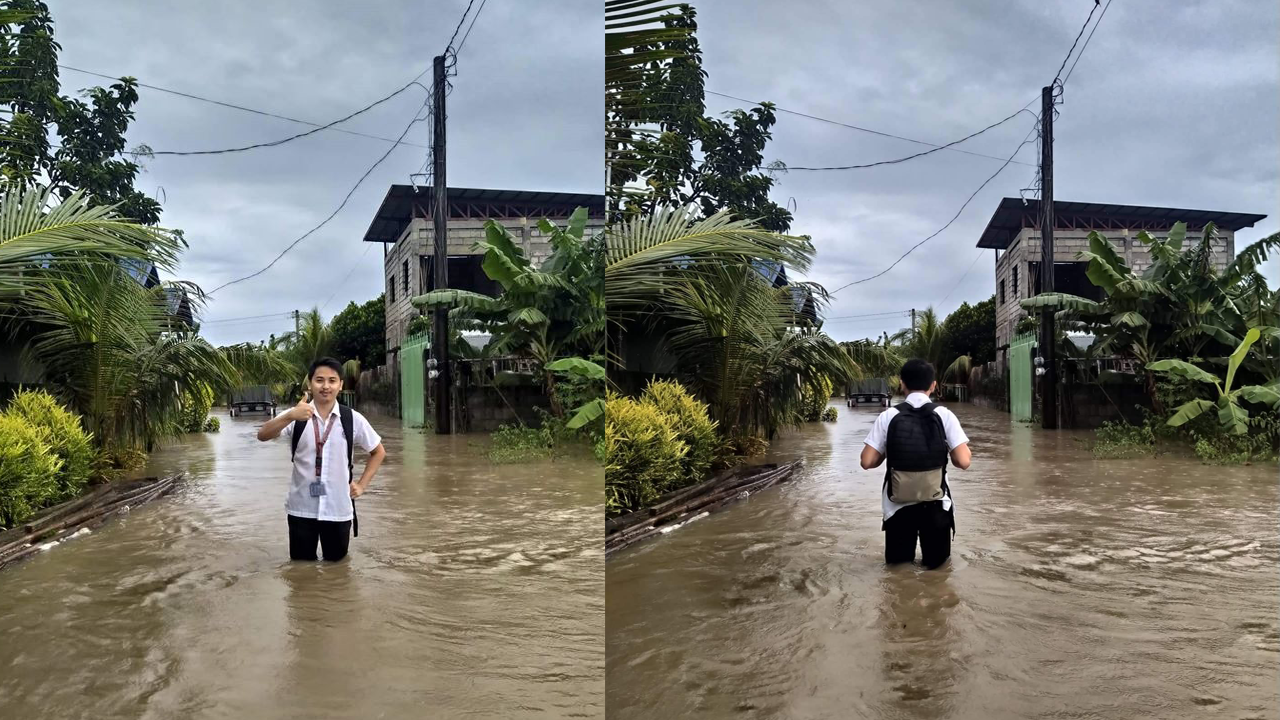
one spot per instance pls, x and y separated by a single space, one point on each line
927 521
334 537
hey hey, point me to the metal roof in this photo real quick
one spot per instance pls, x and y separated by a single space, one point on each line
398 207
1014 214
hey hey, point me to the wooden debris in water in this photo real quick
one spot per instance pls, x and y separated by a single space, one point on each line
693 503
59 522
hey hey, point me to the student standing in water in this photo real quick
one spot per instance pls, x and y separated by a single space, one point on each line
321 499
917 438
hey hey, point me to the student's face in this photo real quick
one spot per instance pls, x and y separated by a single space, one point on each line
325 384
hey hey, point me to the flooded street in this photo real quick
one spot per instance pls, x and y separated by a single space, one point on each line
474 590
1076 589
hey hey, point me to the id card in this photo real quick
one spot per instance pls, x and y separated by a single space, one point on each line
317 489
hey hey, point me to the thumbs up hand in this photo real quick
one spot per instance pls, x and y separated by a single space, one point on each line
303 410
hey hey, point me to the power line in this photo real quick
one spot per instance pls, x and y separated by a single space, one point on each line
1086 42
871 315
416 119
431 110
1073 44
455 30
962 277
479 10
242 108
944 227
919 154
247 317
873 132
282 141
344 279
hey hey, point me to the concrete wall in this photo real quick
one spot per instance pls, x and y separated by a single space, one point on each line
1025 249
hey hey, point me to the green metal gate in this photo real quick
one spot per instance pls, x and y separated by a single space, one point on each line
413 377
1021 380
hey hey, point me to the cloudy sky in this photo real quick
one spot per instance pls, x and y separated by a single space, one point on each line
526 113
1172 104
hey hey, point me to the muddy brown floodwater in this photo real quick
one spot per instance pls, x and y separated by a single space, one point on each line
1077 589
474 590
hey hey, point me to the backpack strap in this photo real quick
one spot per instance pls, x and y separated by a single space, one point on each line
348 431
299 426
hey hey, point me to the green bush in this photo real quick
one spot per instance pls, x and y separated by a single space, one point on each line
814 399
28 469
644 454
212 425
830 414
693 426
196 402
512 444
65 436
1122 440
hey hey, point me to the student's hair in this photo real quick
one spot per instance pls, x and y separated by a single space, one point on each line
917 375
328 362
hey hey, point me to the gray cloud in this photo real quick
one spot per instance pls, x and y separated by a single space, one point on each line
1173 104
525 113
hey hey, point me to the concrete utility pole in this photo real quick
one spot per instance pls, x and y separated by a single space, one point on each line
440 216
1049 395
297 327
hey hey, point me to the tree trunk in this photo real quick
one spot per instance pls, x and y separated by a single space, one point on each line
556 408
1156 405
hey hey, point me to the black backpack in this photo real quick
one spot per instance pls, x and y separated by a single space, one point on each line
348 431
917 441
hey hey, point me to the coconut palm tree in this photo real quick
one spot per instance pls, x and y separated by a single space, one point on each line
650 253
738 349
36 232
112 351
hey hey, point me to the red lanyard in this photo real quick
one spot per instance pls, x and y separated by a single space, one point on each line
321 441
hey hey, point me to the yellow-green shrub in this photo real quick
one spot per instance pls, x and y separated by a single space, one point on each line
814 399
692 423
28 469
196 402
644 454
66 438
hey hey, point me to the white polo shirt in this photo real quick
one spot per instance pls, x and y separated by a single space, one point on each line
335 504
879 437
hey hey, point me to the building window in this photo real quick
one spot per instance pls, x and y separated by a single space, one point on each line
1017 289
391 288
405 268
1002 291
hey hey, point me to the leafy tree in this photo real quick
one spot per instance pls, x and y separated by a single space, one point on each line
668 152
359 332
89 155
971 330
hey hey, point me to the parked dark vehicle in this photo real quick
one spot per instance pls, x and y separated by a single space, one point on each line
252 398
868 391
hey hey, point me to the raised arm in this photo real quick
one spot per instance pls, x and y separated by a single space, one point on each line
273 427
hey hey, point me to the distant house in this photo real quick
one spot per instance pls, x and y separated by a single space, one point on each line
403 225
1015 230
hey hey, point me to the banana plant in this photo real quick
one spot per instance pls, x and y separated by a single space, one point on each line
585 370
1231 415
